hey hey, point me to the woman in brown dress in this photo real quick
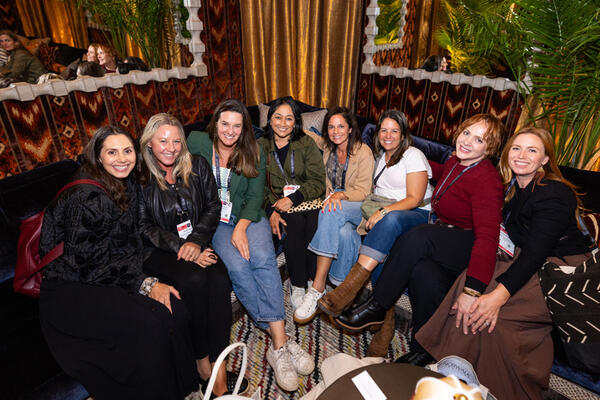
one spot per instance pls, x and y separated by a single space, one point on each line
508 334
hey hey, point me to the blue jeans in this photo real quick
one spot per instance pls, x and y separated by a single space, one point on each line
381 238
336 238
256 283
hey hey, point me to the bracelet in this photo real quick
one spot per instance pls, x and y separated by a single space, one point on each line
471 292
383 211
147 285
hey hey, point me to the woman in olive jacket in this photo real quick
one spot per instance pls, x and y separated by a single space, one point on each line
295 177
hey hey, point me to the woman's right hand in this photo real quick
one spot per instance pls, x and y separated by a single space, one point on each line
162 293
275 220
239 239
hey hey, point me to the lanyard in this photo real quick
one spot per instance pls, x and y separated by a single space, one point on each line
218 174
335 166
180 205
378 175
276 157
436 193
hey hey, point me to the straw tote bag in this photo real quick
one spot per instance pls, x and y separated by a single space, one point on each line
213 376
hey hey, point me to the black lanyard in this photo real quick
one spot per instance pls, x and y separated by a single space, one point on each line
435 199
335 166
378 175
180 205
276 157
218 174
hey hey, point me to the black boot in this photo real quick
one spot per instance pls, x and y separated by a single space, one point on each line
367 314
418 358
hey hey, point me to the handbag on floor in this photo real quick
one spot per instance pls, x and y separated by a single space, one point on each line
213 376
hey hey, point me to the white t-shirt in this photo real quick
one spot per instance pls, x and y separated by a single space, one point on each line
392 182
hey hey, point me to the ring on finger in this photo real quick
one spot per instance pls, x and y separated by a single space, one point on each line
486 323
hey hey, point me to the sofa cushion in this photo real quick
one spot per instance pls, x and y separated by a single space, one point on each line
313 120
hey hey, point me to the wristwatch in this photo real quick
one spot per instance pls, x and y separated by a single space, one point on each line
147 285
383 211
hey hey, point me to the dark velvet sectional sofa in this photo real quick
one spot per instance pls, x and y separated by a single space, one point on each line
30 371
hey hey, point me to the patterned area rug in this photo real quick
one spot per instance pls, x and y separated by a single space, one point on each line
320 338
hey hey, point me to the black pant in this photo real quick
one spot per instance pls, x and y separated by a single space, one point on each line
205 292
118 344
300 229
426 260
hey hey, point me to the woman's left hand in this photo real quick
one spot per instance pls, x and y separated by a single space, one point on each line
373 219
462 306
189 251
282 205
484 311
335 200
162 293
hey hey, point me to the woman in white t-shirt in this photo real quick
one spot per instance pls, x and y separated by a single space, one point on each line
401 174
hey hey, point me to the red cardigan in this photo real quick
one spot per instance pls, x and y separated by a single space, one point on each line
474 202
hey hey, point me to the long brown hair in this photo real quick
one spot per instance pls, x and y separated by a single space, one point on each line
354 138
405 139
115 187
246 153
549 170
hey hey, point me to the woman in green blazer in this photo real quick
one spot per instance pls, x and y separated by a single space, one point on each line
243 238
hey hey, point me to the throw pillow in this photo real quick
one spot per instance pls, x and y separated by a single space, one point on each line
572 295
314 119
592 222
263 110
33 45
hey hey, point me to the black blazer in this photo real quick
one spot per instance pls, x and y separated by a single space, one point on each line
200 201
540 219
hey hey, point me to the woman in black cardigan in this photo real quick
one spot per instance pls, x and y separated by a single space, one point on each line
508 336
101 316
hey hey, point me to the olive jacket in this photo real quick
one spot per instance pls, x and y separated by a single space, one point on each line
308 169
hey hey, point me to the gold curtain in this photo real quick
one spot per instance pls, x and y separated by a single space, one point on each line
33 18
426 22
58 19
67 23
308 49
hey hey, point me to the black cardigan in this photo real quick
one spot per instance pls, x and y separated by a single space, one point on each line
201 200
102 242
540 219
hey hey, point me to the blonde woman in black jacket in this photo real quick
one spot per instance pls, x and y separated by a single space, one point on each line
180 211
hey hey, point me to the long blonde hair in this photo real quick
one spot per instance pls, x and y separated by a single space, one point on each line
183 163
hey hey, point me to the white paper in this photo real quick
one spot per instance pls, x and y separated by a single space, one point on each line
367 387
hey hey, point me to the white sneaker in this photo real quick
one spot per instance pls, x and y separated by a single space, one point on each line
308 309
296 296
285 373
302 361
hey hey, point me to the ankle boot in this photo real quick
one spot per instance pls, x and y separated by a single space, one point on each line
368 314
381 340
336 301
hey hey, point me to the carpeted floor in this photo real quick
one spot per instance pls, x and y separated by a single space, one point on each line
320 338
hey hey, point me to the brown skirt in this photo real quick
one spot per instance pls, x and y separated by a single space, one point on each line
515 360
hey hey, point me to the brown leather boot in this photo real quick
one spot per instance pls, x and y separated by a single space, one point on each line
336 301
381 340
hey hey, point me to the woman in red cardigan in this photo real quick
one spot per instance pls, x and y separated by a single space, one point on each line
462 234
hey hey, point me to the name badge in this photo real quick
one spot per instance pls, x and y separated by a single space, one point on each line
184 229
505 244
226 207
289 189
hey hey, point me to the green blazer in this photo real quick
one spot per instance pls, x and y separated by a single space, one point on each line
246 194
308 168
